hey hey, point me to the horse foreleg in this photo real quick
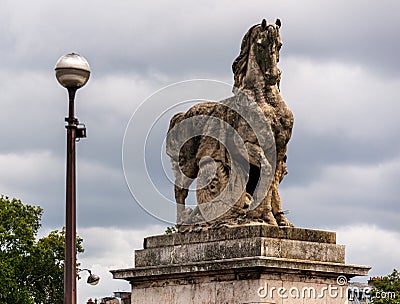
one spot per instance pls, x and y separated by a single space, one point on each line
263 199
276 203
266 209
277 210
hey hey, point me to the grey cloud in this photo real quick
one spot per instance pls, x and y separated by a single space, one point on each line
133 37
308 153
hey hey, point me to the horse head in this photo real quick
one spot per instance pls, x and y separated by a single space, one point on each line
258 60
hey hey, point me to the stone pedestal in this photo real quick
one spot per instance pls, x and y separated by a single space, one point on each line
241 264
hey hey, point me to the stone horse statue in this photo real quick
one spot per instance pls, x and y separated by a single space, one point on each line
236 148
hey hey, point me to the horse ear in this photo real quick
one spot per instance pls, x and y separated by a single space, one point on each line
278 22
264 24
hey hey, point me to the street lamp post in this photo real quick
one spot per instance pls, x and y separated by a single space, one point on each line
72 72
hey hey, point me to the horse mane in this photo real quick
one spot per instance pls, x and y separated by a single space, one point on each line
239 66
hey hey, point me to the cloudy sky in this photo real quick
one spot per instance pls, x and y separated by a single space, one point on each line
341 75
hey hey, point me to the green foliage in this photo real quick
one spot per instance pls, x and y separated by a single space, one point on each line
170 230
31 270
387 290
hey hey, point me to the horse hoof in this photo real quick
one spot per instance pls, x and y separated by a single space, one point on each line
270 219
285 223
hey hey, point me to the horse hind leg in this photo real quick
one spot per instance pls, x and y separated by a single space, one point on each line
180 197
181 190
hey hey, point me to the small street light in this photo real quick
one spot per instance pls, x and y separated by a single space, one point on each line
72 72
93 279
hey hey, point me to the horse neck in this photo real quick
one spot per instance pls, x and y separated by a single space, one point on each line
256 86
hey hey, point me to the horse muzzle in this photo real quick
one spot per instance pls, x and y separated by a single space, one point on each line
272 76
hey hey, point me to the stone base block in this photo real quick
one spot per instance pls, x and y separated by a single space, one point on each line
245 264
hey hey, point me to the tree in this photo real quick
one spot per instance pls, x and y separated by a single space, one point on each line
31 270
387 290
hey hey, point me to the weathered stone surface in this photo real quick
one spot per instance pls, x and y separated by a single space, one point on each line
230 264
239 266
235 281
237 232
241 248
239 292
240 242
236 148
